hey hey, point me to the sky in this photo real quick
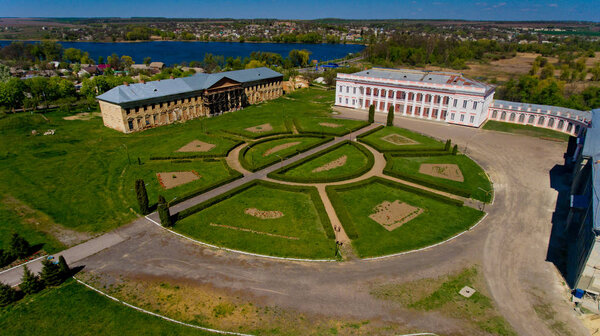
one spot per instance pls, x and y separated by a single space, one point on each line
521 10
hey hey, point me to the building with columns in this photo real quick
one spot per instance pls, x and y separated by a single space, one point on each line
135 107
447 97
430 95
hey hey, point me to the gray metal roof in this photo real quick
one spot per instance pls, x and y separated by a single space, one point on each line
436 77
591 146
124 94
547 109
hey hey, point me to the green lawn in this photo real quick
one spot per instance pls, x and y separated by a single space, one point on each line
299 233
179 139
73 309
419 141
76 176
474 176
355 162
525 130
328 126
265 153
439 220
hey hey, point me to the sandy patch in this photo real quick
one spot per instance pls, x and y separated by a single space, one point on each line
330 125
170 180
196 146
83 116
253 231
332 165
281 147
447 171
260 128
394 215
263 214
397 139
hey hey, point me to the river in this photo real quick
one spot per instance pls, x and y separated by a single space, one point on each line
171 52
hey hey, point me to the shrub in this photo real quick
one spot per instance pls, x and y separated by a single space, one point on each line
30 283
19 247
142 196
390 116
454 149
372 113
448 144
7 295
51 274
6 258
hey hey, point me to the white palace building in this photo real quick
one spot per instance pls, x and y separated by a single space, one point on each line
447 97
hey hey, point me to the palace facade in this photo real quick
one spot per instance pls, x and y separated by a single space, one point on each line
135 107
447 97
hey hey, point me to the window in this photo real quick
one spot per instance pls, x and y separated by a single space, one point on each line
465 104
444 114
127 112
362 90
399 95
434 114
451 116
354 90
130 124
368 90
409 110
569 127
411 96
340 100
360 101
419 97
551 122
381 106
521 118
347 89
346 101
418 111
494 114
341 88
512 116
455 102
474 105
472 119
531 119
375 92
428 98
503 115
561 124
462 117
391 94
426 112
397 107
353 101
368 103
382 93
541 120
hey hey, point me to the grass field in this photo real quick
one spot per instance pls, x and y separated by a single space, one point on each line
439 220
177 140
375 140
75 176
73 309
317 169
328 126
297 231
269 152
474 176
525 130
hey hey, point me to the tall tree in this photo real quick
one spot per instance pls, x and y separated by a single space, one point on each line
65 271
164 212
372 113
51 274
142 196
19 246
390 116
30 283
7 295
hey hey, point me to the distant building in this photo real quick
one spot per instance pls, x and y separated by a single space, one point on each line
447 97
156 65
134 107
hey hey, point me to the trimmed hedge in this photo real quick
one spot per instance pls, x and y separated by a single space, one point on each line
247 166
416 154
279 173
198 156
411 148
370 132
352 129
257 135
311 191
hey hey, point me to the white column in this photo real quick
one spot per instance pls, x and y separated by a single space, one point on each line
405 102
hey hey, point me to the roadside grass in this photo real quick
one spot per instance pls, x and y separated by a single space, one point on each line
76 175
219 308
211 171
474 176
324 125
528 130
355 161
438 221
299 233
73 309
257 157
441 295
375 140
11 222
546 312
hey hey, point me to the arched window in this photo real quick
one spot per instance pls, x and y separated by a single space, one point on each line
494 114
503 115
512 116
541 120
419 97
577 127
550 122
531 119
522 118
382 93
569 127
561 124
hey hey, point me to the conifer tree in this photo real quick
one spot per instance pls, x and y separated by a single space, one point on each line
448 144
164 213
142 196
19 247
30 283
454 149
51 274
390 116
7 295
372 113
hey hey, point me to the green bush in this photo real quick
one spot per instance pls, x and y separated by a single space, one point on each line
142 196
7 295
6 258
19 247
454 149
30 283
51 274
372 113
390 116
163 212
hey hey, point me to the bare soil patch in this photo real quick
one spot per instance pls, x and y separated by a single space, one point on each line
260 128
281 147
254 231
392 215
197 146
397 139
263 214
332 125
331 165
170 180
83 116
443 170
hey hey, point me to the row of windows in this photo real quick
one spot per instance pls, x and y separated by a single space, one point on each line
531 120
158 105
411 96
